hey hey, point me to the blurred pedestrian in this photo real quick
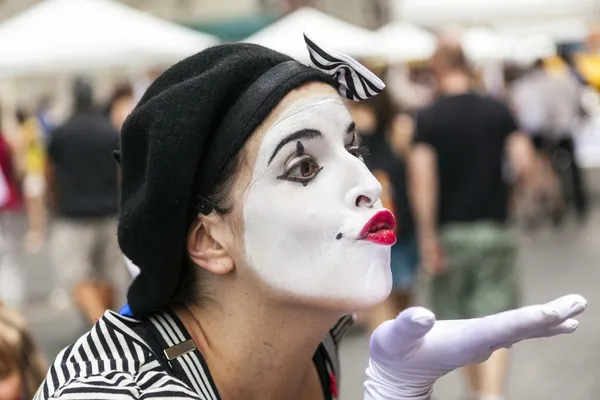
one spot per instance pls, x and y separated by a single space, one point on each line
22 368
374 119
31 157
564 94
460 198
83 184
11 280
528 96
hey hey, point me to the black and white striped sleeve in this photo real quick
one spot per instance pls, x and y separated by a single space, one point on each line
110 386
122 386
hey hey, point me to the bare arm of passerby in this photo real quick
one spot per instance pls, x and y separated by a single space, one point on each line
521 155
423 188
423 192
423 181
518 145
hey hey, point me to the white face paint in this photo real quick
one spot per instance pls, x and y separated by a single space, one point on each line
301 234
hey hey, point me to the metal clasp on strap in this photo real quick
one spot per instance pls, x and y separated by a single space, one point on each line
179 349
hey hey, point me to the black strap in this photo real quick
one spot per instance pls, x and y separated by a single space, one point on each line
145 330
320 360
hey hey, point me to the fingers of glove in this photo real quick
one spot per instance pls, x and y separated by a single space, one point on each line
559 314
568 326
515 325
568 306
397 335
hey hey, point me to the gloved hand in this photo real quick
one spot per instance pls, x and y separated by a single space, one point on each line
408 354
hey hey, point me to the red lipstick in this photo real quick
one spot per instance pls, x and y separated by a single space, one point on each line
380 229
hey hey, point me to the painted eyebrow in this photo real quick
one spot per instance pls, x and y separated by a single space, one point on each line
304 134
301 134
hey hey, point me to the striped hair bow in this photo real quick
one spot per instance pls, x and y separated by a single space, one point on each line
354 80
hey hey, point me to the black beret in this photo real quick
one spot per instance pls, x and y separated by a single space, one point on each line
193 118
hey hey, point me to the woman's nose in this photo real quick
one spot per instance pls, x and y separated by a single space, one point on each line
366 191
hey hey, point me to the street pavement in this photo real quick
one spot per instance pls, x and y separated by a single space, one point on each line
553 263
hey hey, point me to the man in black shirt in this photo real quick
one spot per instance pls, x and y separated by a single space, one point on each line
460 200
83 182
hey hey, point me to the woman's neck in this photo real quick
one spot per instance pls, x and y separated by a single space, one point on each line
255 352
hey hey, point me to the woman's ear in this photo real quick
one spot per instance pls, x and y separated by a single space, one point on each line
205 251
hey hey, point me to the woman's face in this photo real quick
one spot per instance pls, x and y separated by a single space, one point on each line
306 204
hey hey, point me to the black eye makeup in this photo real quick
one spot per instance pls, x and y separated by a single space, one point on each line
301 168
355 148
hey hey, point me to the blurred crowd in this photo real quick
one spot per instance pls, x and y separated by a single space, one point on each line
458 161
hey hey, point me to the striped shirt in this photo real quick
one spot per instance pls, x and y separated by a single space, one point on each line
117 359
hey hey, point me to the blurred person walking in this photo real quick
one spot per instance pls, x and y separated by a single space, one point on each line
31 158
564 93
83 183
384 153
528 97
11 281
460 200
22 367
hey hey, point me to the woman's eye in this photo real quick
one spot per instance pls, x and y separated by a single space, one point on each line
308 168
356 152
303 171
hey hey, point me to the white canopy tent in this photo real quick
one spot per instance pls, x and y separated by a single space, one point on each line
59 36
478 12
286 35
403 41
560 30
482 44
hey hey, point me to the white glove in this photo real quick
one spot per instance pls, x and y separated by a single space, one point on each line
408 354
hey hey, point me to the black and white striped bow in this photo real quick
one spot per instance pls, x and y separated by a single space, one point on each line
355 81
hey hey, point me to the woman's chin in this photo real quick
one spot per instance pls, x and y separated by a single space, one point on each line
358 300
374 297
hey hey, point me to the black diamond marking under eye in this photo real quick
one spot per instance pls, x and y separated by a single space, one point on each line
339 236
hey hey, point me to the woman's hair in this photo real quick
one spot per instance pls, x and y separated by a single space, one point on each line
19 353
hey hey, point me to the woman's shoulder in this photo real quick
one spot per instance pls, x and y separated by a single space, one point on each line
111 360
